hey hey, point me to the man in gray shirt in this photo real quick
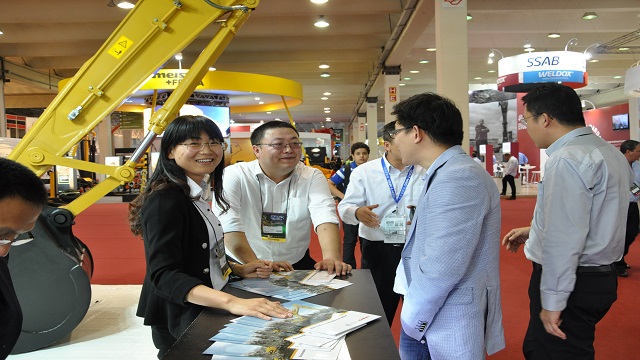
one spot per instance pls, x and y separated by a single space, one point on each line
578 226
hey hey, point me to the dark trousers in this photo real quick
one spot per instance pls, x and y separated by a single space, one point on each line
633 222
162 339
509 179
383 259
591 298
306 263
349 244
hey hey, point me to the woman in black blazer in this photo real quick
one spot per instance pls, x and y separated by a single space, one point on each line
183 239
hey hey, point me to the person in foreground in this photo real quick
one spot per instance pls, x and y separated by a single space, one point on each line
273 202
383 212
184 245
22 196
578 227
451 280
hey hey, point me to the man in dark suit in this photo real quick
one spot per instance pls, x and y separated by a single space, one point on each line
22 196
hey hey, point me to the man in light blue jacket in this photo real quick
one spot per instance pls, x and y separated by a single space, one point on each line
451 281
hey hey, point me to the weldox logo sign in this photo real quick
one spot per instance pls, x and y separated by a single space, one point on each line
540 67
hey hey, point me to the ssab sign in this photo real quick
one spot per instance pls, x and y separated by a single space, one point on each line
522 72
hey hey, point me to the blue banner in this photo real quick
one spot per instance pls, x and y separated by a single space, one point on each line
552 76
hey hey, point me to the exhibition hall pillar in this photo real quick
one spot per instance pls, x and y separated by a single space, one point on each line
3 113
391 91
360 128
372 126
634 118
451 57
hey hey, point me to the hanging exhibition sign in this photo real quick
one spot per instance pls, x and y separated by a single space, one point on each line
522 72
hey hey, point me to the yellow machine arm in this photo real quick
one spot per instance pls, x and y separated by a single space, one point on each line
147 38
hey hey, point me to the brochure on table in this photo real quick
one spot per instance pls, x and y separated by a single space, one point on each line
292 285
314 332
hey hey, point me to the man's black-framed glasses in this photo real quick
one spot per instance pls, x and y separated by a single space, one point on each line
523 120
294 145
393 133
17 242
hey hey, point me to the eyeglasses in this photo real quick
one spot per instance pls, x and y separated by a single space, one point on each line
294 145
523 120
17 242
393 133
213 145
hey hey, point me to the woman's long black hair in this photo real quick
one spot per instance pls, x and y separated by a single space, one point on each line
168 173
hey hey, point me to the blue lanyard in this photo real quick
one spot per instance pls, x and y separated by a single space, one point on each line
404 186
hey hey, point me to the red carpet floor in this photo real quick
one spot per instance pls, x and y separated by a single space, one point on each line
119 259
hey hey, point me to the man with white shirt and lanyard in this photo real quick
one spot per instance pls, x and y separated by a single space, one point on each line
578 227
274 200
382 212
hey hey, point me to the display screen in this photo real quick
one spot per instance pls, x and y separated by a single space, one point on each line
620 121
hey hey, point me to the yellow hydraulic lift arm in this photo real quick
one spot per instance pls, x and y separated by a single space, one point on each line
52 274
148 37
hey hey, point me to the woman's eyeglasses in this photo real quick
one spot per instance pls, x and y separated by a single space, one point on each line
213 145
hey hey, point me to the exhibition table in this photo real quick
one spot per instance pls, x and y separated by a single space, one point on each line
373 341
527 168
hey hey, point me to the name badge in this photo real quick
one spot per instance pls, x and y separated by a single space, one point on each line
222 259
394 226
274 227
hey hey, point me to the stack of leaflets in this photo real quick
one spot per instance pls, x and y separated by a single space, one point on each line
314 332
292 285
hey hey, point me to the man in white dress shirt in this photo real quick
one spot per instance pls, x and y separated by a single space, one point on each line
510 172
274 201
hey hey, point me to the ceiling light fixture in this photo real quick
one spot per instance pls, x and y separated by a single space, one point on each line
423 61
178 57
111 4
321 22
530 49
590 15
624 48
323 66
125 5
319 1
573 41
212 69
469 17
326 93
492 54
431 49
527 44
1 32
584 105
325 74
553 35
589 54
324 98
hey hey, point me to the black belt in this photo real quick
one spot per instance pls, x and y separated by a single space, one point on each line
584 269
